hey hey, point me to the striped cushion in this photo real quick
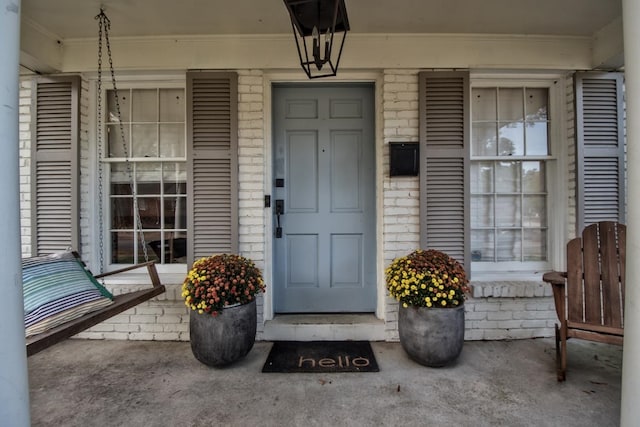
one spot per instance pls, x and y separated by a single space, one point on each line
58 288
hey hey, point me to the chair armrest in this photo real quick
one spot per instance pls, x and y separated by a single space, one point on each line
151 269
555 278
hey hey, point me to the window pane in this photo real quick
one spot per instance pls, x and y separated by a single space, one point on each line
119 179
122 213
149 208
116 147
508 211
484 139
148 178
509 242
484 104
537 104
122 247
482 245
145 140
144 105
172 249
510 104
537 139
481 177
482 211
533 177
172 105
175 212
534 211
535 245
123 101
174 178
152 240
511 139
507 177
172 140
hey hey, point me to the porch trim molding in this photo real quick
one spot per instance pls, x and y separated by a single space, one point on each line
362 51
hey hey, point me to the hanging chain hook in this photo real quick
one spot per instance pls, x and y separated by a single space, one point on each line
104 27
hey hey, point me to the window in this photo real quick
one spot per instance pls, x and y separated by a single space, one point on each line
145 159
510 153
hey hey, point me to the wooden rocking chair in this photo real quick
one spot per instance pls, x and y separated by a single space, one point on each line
120 303
589 296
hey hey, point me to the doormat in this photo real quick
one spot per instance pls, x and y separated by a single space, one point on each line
321 357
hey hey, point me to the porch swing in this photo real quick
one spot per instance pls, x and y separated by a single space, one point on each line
60 292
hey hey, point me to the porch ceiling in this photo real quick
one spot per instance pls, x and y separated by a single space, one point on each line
73 19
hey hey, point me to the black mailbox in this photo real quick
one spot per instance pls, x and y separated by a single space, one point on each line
404 159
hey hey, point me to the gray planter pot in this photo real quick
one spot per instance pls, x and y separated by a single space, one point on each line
432 336
226 338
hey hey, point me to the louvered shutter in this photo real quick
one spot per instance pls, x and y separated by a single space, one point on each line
444 149
55 179
212 158
599 148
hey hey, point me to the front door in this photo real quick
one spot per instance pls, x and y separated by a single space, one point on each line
324 192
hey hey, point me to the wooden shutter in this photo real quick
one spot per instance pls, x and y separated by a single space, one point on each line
212 163
599 148
55 189
444 149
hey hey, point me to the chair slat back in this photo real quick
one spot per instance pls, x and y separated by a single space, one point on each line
595 275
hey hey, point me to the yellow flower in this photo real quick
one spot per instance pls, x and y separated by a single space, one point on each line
405 305
444 302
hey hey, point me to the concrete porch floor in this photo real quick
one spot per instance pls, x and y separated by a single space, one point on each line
494 383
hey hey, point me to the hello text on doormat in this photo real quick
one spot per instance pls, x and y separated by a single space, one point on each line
321 357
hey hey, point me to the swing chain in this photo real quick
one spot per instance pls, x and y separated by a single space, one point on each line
101 22
105 23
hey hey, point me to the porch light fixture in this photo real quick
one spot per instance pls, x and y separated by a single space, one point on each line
316 24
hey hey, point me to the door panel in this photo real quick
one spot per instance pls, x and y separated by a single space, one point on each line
324 149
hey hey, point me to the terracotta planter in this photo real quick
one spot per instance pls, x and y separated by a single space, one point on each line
432 336
226 338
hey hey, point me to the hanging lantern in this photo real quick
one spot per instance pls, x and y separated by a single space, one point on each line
318 26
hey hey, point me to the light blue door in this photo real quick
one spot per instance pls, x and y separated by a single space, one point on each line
324 180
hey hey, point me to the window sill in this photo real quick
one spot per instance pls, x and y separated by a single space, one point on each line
509 285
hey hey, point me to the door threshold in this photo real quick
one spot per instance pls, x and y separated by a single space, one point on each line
324 327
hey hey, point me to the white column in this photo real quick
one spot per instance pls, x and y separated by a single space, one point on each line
630 410
14 386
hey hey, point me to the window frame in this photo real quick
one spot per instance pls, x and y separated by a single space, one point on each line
555 172
126 84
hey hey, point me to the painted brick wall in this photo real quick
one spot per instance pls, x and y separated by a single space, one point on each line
252 171
496 310
25 104
571 159
401 195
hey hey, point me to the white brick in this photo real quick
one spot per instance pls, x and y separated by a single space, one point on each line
169 319
116 335
510 324
141 336
151 327
499 315
143 318
473 335
126 328
141 309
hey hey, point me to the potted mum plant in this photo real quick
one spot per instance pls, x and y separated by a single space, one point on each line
431 288
221 292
